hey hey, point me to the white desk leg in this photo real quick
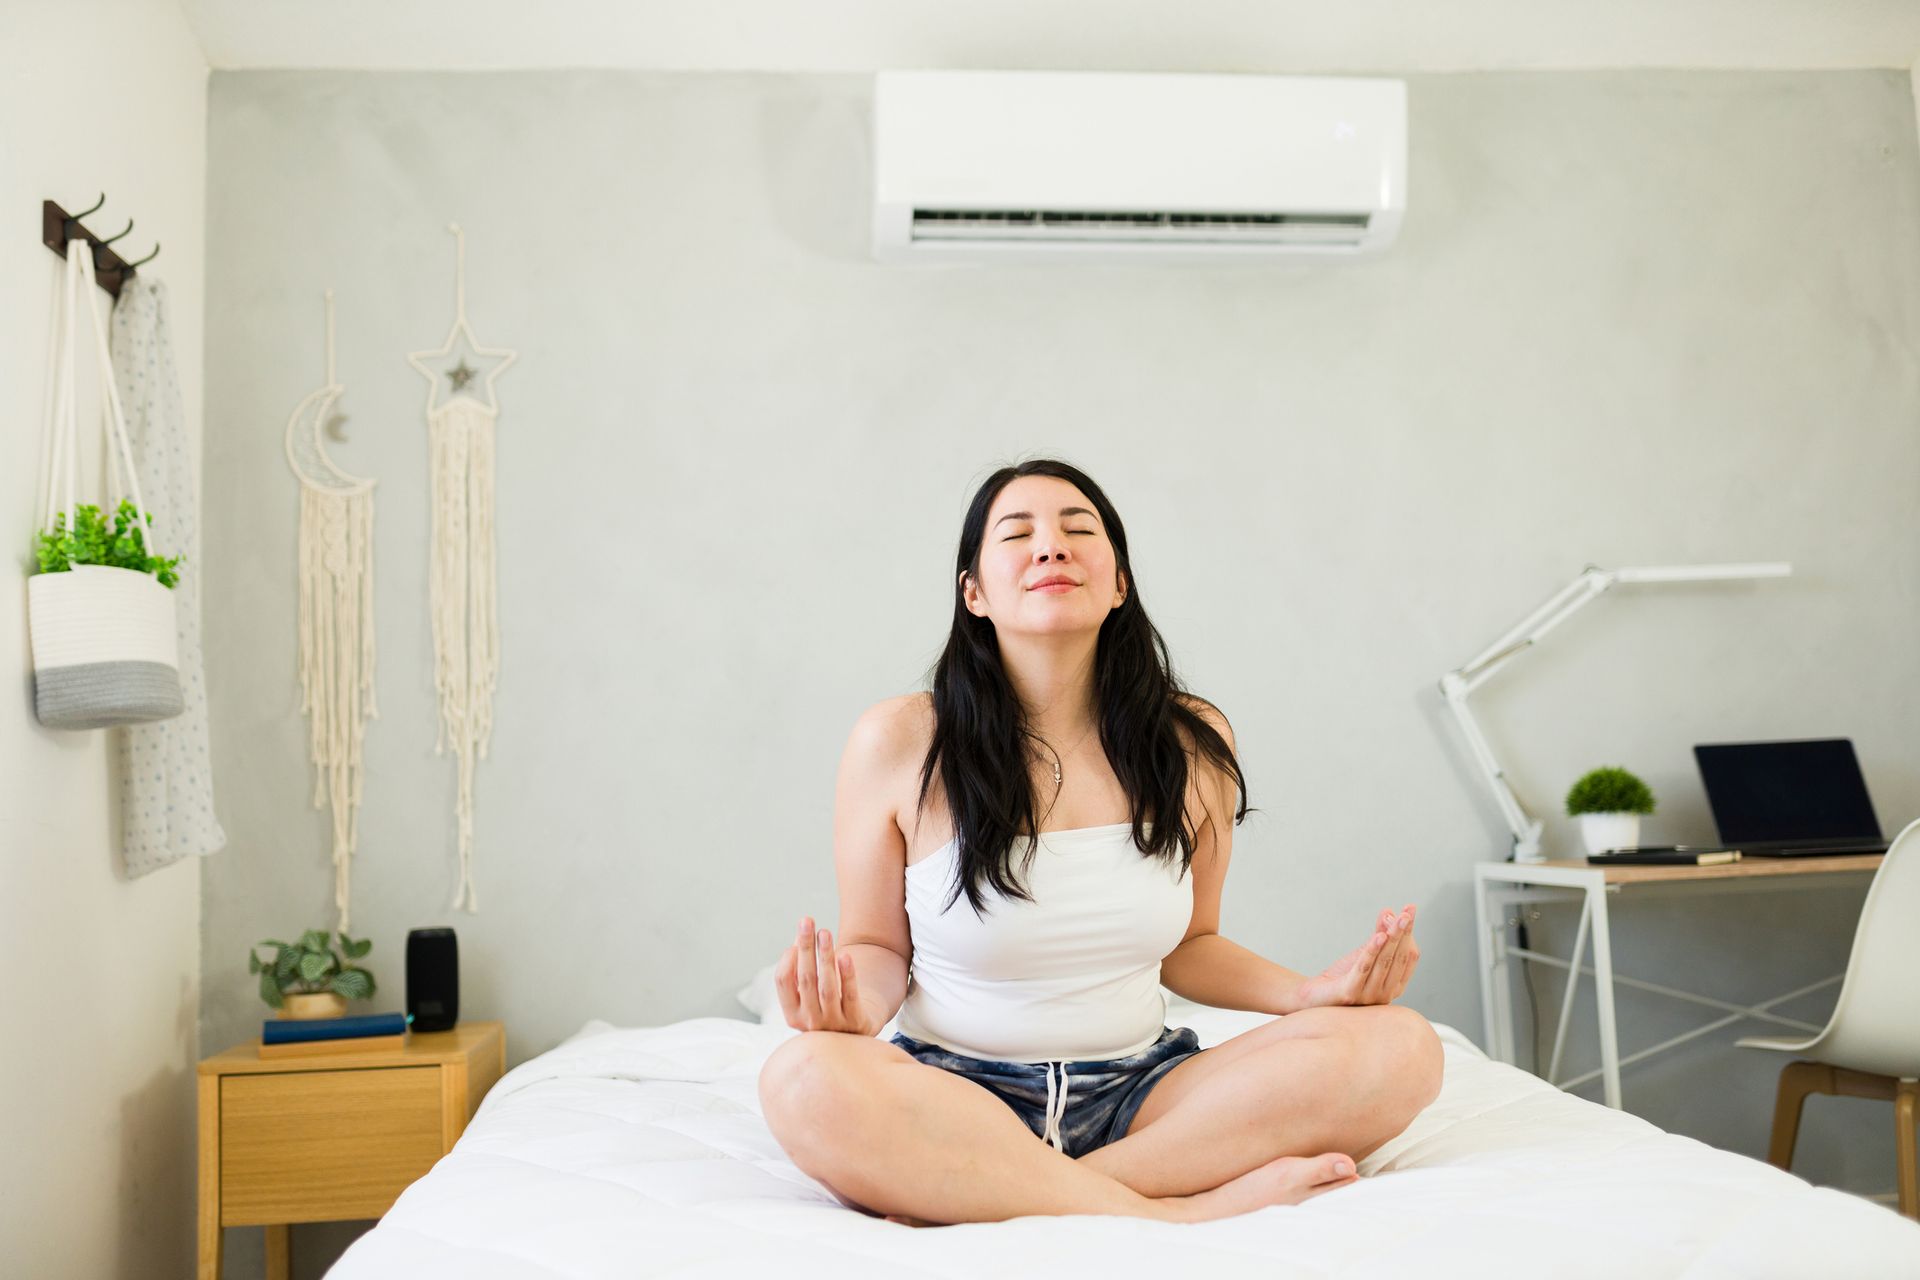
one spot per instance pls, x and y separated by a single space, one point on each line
1498 1046
1603 989
1503 976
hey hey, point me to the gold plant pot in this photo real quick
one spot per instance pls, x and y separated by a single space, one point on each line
319 1004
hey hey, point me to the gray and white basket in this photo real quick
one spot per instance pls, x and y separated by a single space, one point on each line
105 640
105 648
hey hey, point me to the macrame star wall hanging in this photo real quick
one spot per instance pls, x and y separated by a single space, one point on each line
336 615
466 627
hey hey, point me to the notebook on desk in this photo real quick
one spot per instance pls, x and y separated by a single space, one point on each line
1664 855
1802 799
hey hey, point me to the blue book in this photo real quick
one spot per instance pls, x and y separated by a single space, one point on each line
295 1030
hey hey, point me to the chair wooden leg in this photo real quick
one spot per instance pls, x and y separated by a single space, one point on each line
1906 1104
1797 1080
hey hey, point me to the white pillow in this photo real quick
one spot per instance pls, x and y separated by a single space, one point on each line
758 997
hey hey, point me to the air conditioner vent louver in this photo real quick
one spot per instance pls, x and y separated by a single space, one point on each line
1143 226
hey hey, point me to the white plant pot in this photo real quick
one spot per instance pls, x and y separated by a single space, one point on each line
1604 831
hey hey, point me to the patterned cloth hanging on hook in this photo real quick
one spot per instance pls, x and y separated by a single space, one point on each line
466 625
166 770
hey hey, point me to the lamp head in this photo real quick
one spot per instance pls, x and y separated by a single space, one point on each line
1701 572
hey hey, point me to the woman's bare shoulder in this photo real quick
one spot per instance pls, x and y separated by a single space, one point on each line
1211 714
897 732
901 727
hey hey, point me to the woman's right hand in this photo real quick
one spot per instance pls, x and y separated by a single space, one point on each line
818 989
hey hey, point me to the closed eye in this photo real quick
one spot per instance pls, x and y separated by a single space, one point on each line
1088 532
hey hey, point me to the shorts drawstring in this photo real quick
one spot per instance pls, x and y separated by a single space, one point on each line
1055 1116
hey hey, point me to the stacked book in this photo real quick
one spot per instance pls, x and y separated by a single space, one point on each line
1664 855
371 1033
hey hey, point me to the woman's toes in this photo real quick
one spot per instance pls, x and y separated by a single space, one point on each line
1337 1167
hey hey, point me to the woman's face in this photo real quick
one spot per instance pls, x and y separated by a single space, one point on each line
1042 527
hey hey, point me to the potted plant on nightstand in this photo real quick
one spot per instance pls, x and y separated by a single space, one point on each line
1609 802
308 979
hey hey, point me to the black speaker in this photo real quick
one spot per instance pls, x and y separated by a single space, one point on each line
433 979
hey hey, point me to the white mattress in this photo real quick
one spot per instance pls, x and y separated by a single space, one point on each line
642 1152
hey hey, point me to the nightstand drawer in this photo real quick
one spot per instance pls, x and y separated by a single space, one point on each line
317 1146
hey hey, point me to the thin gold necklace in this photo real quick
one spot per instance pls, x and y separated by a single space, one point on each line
1076 747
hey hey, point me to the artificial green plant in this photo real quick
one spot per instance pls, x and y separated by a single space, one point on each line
91 540
1609 790
311 967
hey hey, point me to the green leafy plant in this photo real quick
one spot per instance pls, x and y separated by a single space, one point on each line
311 967
91 540
1609 790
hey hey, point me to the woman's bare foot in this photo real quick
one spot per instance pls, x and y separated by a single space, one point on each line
1287 1180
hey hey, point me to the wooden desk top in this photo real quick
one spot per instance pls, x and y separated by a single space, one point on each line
423 1049
1745 867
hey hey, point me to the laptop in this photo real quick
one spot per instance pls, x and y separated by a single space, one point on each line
1789 799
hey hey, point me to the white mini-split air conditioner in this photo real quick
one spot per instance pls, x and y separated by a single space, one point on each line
1074 166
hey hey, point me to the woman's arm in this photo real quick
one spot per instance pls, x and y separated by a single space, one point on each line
1208 968
1217 971
1205 966
870 856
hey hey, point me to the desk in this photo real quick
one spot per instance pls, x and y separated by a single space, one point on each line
1498 885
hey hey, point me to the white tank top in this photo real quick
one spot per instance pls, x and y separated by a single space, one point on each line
1072 976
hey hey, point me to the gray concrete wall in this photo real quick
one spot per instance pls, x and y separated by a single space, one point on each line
1633 318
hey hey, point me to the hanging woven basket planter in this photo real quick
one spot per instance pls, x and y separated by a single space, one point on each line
105 641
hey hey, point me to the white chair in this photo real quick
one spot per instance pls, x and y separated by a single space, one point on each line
1870 1048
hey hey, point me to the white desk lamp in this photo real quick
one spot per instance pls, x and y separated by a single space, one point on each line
1457 684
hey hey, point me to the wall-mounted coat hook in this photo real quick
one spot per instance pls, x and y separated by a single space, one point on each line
58 228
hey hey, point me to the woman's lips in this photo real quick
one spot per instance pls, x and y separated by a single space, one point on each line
1057 588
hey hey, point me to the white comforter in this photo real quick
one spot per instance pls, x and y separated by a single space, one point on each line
643 1153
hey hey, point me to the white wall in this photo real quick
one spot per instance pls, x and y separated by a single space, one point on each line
101 972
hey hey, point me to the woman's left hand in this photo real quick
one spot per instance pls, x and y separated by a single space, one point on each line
1375 972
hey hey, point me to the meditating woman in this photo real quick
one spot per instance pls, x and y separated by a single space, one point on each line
1056 726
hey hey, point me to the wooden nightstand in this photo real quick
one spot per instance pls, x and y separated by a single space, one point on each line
331 1137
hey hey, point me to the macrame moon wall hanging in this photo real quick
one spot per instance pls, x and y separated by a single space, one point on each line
336 615
466 627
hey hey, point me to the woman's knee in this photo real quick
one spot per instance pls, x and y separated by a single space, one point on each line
811 1078
1413 1053
800 1073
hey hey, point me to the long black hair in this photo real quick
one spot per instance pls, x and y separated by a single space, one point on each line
981 732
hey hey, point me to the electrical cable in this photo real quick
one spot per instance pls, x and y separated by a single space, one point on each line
1533 1008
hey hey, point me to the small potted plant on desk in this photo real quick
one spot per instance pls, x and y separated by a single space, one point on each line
1609 802
307 979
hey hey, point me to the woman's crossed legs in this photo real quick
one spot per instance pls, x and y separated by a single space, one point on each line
1344 1079
1267 1117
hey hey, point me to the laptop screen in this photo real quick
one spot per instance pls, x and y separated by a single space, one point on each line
1765 791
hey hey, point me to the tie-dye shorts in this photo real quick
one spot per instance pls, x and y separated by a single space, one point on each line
1076 1107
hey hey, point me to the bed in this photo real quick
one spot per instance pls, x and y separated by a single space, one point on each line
642 1152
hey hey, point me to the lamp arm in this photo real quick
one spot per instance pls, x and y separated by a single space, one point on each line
1536 624
1456 685
1526 829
